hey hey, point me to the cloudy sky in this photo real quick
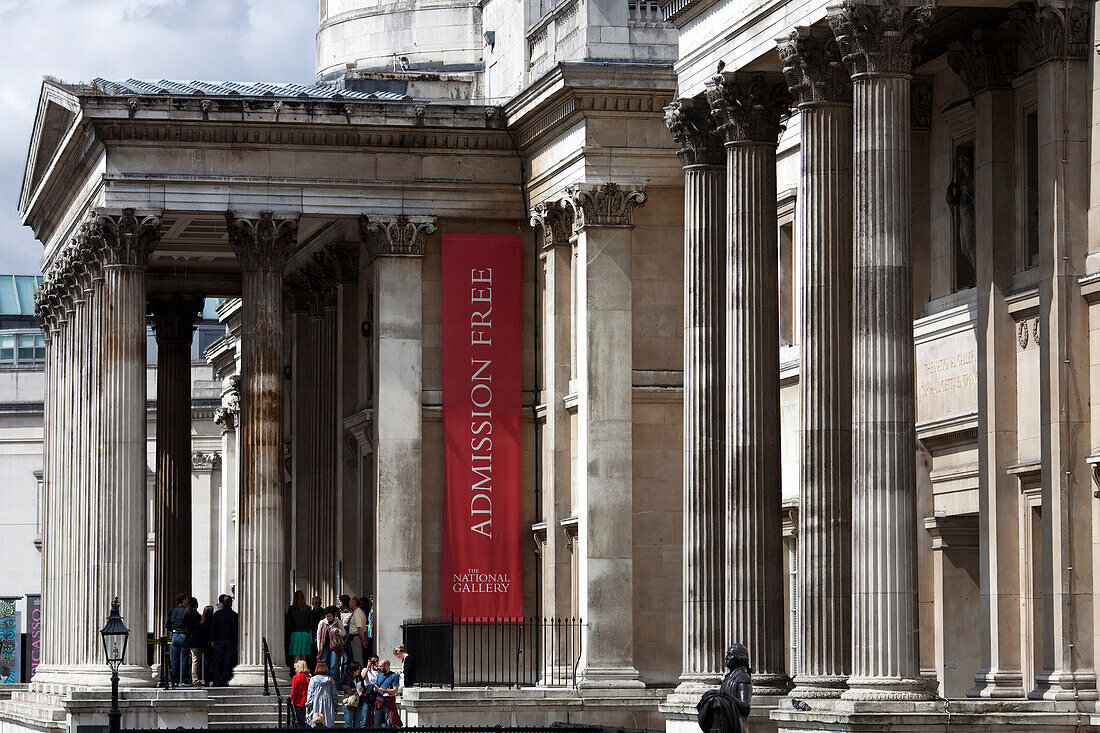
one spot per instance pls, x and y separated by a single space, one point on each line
77 40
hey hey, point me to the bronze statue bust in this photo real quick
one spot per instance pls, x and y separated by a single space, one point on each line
726 709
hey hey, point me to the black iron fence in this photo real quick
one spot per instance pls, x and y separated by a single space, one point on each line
495 653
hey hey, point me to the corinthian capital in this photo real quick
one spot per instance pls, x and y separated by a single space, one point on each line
555 221
395 236
749 106
607 205
173 318
983 62
262 243
879 38
693 129
813 68
127 240
1050 34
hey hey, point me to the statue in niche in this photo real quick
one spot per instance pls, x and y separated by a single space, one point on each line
960 197
726 709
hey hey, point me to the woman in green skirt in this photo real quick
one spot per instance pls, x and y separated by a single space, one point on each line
299 643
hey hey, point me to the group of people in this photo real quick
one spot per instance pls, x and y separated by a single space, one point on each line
367 694
337 643
203 645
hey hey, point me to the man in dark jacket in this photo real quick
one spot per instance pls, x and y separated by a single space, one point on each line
175 628
223 636
191 621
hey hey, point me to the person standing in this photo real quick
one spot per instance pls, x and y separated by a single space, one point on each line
408 666
299 631
357 632
223 635
316 615
344 614
321 698
330 640
298 687
191 621
204 644
387 687
176 628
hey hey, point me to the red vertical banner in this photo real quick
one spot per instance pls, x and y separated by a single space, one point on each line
482 403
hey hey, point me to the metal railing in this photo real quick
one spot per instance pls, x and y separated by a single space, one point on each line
269 666
160 656
495 652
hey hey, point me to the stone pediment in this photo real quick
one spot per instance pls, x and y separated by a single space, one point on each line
55 119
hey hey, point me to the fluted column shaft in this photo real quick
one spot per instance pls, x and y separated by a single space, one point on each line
820 83
750 109
825 402
262 245
704 636
884 436
124 466
173 323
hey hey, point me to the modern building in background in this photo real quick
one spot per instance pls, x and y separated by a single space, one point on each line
806 298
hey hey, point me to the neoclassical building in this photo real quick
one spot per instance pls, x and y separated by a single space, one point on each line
807 305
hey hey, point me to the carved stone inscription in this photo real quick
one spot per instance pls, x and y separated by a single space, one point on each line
947 377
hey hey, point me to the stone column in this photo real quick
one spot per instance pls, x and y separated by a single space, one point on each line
173 321
700 149
228 418
342 261
750 109
876 42
205 539
556 225
302 383
820 84
987 64
1056 44
128 241
262 245
396 246
602 221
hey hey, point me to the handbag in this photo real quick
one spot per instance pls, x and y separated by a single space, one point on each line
351 698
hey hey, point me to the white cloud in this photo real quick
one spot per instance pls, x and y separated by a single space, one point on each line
76 40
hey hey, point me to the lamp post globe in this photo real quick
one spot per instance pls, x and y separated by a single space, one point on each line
115 635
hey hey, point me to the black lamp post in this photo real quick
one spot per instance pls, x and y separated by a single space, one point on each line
115 635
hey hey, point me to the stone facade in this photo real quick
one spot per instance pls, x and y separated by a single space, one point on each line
807 306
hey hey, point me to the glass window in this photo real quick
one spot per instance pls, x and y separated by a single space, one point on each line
7 349
26 347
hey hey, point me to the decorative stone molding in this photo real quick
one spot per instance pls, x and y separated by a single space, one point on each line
983 61
395 236
173 319
920 104
694 131
262 243
226 418
607 205
749 106
228 414
127 241
881 38
296 293
203 461
555 221
1050 34
815 73
344 260
320 283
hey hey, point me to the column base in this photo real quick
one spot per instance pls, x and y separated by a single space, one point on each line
93 676
819 687
609 677
1064 686
770 684
696 684
997 686
886 689
249 675
681 713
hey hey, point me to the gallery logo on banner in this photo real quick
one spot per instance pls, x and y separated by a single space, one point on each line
482 390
